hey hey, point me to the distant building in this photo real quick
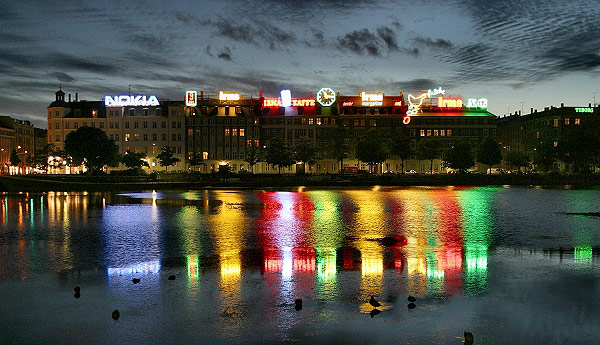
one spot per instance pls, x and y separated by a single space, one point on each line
528 132
21 136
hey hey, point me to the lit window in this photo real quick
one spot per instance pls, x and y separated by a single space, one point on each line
555 143
136 136
429 132
422 133
242 132
234 132
154 148
311 121
226 132
127 136
205 155
555 122
577 121
442 132
449 132
435 133
567 120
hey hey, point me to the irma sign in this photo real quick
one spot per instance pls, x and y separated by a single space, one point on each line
131 101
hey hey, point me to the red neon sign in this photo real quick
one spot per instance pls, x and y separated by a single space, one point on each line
297 102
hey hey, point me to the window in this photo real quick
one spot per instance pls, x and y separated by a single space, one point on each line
486 132
226 132
154 137
127 136
135 125
238 110
67 125
577 121
111 125
57 139
126 124
555 122
179 124
442 132
567 120
164 124
178 149
449 132
174 137
116 125
164 137
234 132
57 125
145 112
154 124
179 137
435 133
555 143
136 136
93 124
205 155
174 124
318 121
145 124
429 132
241 132
154 148
145 136
422 133
101 124
116 137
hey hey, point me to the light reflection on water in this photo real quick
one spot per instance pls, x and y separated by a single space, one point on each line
323 245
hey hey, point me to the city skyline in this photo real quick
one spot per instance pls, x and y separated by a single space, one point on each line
518 55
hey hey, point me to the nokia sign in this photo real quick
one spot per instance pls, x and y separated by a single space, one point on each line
132 101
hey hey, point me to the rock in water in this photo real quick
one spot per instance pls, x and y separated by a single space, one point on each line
298 304
468 338
135 280
116 314
77 289
411 299
374 312
172 277
411 306
77 294
374 302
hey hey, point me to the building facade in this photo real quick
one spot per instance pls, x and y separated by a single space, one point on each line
547 128
23 137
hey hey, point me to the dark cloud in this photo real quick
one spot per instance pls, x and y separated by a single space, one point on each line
57 60
60 76
225 54
317 39
388 36
257 32
415 85
360 42
430 43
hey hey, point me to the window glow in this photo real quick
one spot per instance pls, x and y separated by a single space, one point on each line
229 96
371 99
326 97
126 100
286 98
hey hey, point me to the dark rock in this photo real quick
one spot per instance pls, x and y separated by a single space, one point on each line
77 294
116 314
135 280
411 306
77 289
411 299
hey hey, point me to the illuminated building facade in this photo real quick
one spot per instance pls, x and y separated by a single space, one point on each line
551 126
21 136
135 125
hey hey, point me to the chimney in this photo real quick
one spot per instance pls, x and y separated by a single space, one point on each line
535 111
545 108
260 95
202 94
531 111
589 105
562 105
519 113
76 96
69 98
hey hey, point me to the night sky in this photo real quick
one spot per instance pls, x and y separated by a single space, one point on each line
518 54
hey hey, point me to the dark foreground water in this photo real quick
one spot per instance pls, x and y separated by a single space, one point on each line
510 265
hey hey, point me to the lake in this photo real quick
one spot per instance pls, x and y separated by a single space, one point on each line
510 265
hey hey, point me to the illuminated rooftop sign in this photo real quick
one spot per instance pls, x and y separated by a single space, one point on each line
296 102
371 99
450 102
191 98
347 104
326 97
584 110
414 103
481 103
132 101
229 96
286 98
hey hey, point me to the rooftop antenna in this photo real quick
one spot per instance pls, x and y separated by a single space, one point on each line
129 90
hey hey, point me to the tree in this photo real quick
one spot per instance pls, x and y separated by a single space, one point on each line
166 158
278 154
459 156
305 152
488 152
400 147
135 160
580 147
253 156
517 159
339 147
429 149
195 159
40 158
370 149
91 147
544 156
14 158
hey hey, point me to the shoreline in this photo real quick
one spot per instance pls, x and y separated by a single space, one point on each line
43 183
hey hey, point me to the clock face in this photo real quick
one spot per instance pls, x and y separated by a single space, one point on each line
326 96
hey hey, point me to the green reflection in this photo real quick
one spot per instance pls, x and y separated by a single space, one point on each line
326 273
435 275
327 223
193 269
478 222
583 254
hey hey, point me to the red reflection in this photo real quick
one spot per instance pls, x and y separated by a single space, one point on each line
305 260
348 259
273 260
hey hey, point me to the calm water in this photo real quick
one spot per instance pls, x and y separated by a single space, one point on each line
508 264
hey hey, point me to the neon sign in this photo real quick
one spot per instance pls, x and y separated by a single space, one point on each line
326 97
286 98
450 102
347 104
297 102
191 98
127 100
584 110
414 107
371 99
229 96
481 103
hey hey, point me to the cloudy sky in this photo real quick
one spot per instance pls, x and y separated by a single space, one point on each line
517 53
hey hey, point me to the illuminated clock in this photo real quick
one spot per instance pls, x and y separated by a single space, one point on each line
326 97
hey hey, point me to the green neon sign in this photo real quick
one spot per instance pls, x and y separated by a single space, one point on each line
584 110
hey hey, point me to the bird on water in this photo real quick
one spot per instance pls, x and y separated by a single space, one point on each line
374 302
